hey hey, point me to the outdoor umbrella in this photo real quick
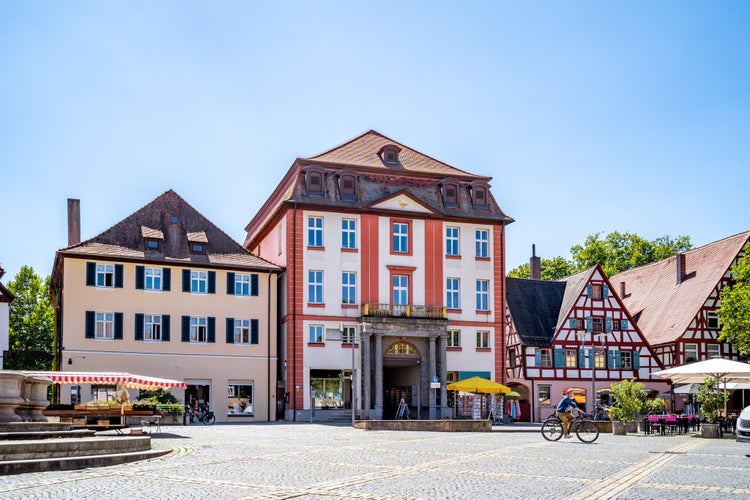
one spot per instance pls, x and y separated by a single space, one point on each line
123 379
724 370
478 385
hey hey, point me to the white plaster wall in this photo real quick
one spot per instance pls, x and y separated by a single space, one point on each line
4 329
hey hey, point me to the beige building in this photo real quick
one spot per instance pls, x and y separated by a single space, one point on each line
166 293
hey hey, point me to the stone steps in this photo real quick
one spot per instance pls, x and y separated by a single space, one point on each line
70 447
76 462
47 434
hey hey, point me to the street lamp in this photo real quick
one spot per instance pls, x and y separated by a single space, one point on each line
592 362
363 330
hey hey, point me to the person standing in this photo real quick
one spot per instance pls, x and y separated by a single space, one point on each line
564 411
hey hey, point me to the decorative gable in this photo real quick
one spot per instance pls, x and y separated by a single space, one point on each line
402 202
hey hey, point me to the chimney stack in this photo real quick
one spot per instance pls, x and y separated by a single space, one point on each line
74 221
535 265
622 289
681 267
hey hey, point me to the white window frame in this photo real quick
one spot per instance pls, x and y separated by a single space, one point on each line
199 282
453 339
348 287
626 360
315 287
233 392
713 351
453 293
315 231
483 295
400 237
349 234
452 241
243 331
105 275
316 334
482 238
198 330
152 279
105 326
483 339
712 320
242 285
349 335
152 327
691 349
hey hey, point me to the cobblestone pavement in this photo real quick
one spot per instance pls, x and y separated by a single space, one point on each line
312 461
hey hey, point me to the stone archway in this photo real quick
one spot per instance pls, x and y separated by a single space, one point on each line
401 377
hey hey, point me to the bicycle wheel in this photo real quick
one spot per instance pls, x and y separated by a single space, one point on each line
209 419
552 429
587 431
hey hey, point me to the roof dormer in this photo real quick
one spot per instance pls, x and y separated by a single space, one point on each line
314 182
152 238
389 154
197 241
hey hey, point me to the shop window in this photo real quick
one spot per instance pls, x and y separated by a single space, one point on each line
545 394
327 389
240 398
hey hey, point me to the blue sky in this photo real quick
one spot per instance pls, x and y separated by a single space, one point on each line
590 116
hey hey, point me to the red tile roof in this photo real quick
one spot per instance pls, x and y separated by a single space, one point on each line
664 308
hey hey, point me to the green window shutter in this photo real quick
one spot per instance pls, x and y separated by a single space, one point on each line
611 359
140 277
166 279
624 324
230 328
118 326
90 324
90 273
186 328
589 324
589 287
572 323
559 358
254 331
138 326
254 285
186 280
211 330
212 282
636 360
608 324
605 291
581 358
165 327
538 357
119 279
230 283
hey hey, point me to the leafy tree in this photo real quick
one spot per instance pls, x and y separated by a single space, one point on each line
619 252
734 313
552 269
31 323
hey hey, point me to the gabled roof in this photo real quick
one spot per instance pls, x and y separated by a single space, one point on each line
574 285
534 306
415 173
5 295
172 218
363 151
665 308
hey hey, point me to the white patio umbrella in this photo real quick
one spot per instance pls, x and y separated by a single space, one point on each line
724 370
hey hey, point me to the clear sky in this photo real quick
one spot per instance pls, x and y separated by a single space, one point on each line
589 116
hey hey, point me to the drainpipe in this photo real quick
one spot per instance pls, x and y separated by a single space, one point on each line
294 312
271 388
502 302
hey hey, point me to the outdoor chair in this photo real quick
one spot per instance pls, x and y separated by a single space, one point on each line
654 424
670 423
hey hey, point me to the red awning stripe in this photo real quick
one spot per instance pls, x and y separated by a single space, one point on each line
108 378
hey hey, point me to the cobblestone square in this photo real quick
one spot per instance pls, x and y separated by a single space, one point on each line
313 461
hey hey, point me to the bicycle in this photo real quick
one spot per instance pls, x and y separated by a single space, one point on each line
585 429
207 417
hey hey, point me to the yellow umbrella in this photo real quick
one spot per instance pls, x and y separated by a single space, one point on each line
478 385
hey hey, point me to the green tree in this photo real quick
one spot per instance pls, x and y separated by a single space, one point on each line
618 252
31 323
552 269
734 313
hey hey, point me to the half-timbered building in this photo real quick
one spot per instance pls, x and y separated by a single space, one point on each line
572 333
674 301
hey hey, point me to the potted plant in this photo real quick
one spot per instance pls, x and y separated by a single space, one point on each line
712 399
629 398
655 406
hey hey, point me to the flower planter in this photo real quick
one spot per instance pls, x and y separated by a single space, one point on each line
632 426
619 428
10 396
710 431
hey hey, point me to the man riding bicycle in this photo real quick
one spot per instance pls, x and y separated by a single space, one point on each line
563 412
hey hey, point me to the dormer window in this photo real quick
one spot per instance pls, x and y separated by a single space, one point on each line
479 196
197 248
449 191
348 187
389 154
314 183
153 245
197 241
152 238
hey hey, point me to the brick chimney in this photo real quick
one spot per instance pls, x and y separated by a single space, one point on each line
74 221
535 265
681 267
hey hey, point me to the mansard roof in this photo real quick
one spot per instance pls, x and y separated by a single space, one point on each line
414 173
665 308
174 224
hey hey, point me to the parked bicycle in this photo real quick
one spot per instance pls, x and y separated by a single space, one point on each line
585 429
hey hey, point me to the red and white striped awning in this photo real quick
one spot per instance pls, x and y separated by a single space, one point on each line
123 379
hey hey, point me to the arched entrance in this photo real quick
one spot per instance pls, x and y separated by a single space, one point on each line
401 380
